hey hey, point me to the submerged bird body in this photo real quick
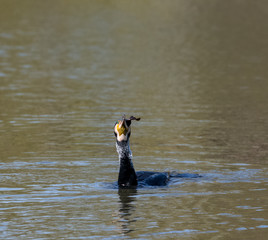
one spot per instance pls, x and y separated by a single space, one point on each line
127 176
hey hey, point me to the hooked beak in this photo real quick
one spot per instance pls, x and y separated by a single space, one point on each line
123 123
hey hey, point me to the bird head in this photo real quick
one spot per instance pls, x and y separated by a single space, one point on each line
122 128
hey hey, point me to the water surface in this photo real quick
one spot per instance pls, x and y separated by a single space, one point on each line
194 71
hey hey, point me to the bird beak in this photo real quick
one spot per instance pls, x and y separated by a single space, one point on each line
121 124
124 122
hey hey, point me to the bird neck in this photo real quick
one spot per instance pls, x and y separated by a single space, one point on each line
127 176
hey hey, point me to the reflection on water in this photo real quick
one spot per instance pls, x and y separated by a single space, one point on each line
127 207
196 74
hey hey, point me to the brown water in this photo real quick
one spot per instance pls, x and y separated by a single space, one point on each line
194 71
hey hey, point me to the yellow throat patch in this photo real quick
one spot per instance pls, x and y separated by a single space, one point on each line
121 130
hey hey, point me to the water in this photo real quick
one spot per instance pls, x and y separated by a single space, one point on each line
196 74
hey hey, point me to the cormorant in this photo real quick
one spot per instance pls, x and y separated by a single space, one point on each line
127 176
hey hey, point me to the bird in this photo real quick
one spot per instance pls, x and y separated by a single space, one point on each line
128 177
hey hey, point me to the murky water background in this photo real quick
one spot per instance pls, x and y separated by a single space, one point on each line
194 71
